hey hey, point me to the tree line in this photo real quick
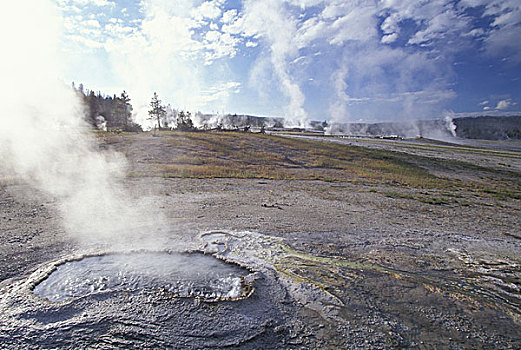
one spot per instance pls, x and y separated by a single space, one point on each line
165 117
114 113
107 112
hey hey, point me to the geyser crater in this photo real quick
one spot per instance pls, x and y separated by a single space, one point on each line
189 274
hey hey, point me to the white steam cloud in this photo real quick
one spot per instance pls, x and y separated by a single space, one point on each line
156 58
166 54
270 20
43 137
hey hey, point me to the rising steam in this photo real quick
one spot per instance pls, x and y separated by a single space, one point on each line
279 31
43 138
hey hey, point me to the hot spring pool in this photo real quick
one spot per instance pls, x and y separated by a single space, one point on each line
182 274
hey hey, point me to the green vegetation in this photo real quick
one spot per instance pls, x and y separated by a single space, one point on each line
396 194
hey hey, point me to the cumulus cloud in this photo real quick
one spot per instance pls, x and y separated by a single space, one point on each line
218 44
358 24
391 25
389 38
229 16
208 9
505 104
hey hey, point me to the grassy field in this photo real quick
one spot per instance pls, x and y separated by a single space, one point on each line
258 156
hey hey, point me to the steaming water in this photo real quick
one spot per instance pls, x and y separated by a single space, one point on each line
190 275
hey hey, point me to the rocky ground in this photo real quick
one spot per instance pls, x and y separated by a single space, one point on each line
341 264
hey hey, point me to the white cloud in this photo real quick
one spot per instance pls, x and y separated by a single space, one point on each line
208 9
236 26
358 24
229 16
85 41
92 23
441 23
220 91
346 25
83 3
212 35
439 26
117 30
311 30
391 24
473 3
476 32
390 38
335 9
167 52
103 3
218 45
303 4
505 104
503 38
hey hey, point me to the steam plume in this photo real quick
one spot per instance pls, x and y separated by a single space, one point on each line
279 30
42 134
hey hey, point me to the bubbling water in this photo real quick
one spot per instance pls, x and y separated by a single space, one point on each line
186 275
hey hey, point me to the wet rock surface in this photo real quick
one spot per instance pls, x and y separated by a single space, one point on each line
338 265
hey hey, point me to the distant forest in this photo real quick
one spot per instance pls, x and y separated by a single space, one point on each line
107 112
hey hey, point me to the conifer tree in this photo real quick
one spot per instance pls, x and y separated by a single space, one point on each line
157 112
123 111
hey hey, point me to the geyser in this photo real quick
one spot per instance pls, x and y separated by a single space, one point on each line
181 274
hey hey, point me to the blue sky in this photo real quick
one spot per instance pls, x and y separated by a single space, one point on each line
303 59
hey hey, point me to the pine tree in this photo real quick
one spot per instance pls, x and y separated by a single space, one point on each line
94 107
123 111
157 111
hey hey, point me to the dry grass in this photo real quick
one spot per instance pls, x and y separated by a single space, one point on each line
246 155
